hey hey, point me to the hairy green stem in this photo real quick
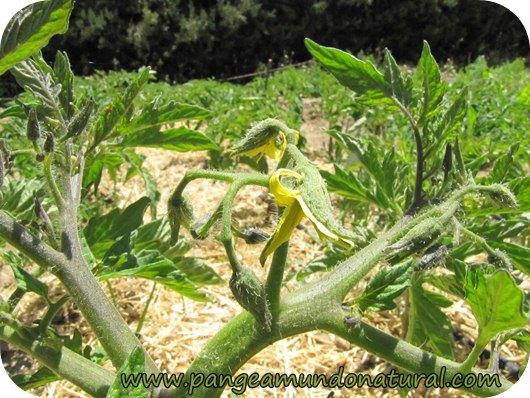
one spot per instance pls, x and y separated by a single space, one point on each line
418 186
407 356
146 308
240 340
230 250
115 336
473 356
237 180
53 308
73 367
273 286
347 274
52 184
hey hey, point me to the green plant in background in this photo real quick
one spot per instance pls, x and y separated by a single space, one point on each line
434 206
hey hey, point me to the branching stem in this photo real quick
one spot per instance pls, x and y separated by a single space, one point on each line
420 160
52 184
75 368
473 356
274 282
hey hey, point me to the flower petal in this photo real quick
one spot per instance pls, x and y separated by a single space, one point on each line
291 217
273 148
284 195
323 231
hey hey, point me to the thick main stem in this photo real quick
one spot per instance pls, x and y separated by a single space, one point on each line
113 332
240 340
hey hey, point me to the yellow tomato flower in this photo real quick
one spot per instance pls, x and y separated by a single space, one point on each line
291 198
268 137
273 148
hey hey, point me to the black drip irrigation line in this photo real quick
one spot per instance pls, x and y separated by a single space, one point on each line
511 367
264 72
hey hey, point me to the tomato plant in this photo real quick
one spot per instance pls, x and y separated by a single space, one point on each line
433 214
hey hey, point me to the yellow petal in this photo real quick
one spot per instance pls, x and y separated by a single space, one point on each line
323 231
284 195
291 217
273 148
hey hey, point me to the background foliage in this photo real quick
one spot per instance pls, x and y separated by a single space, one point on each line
183 39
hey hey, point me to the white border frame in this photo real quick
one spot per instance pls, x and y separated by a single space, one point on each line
521 8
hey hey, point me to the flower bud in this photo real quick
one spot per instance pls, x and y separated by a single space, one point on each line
250 294
179 212
502 195
500 259
254 236
49 143
43 216
269 137
79 123
33 127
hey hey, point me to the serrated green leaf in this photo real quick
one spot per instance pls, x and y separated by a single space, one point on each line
427 323
15 111
87 253
136 162
523 340
31 29
28 282
438 299
503 165
451 118
152 265
353 73
101 231
18 196
40 378
134 365
112 114
400 84
38 78
110 161
197 271
428 74
145 253
447 283
386 286
155 115
64 77
384 178
179 139
325 262
346 184
495 300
